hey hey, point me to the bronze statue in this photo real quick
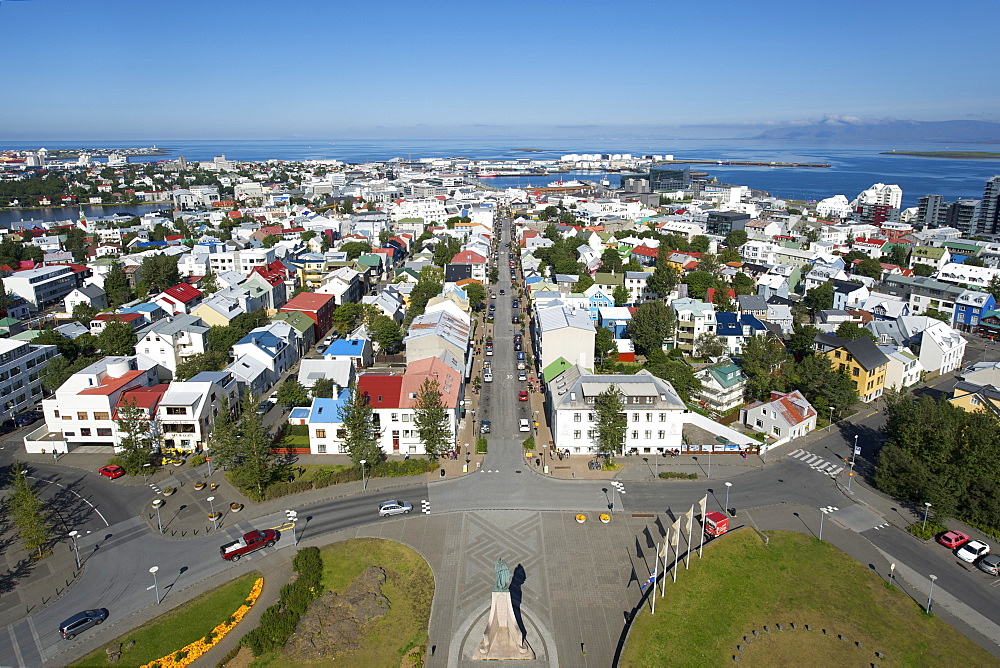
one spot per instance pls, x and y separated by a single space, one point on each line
502 575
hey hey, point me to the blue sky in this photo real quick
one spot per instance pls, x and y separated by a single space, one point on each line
251 69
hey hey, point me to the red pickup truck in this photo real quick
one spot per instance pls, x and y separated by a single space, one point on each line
248 543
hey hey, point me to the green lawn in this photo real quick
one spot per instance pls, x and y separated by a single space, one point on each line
742 585
179 627
409 586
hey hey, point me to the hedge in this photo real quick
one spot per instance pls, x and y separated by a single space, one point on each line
676 475
278 622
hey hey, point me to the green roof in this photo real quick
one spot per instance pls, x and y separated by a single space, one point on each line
727 374
294 319
8 321
555 368
964 249
27 335
370 260
928 251
604 278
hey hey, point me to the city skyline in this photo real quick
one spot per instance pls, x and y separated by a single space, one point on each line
119 70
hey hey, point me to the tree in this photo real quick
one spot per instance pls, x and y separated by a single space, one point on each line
620 295
698 283
898 255
611 260
250 459
735 239
360 437
651 324
159 272
870 267
445 250
117 339
700 243
270 240
209 283
30 515
583 283
802 339
665 277
307 235
548 213
386 333
65 346
476 294
611 422
709 345
84 313
744 285
852 331
207 361
677 372
824 387
347 315
356 249
117 287
853 255
921 269
820 298
323 388
604 344
994 287
762 360
291 393
431 419
137 433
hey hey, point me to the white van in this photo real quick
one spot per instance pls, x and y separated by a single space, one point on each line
522 425
487 376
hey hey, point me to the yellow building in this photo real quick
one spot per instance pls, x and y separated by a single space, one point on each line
971 397
861 359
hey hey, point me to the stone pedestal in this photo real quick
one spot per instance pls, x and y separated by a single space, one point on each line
502 638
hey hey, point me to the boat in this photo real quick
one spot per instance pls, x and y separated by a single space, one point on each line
486 175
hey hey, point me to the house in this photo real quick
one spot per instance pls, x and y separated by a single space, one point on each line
972 397
722 387
319 308
561 331
615 319
904 368
847 294
98 324
754 305
736 330
786 415
181 298
341 371
43 286
305 328
219 311
934 256
187 410
273 346
171 341
430 334
694 318
90 295
252 376
939 347
475 261
884 307
860 359
357 352
326 428
655 413
22 367
969 309
597 299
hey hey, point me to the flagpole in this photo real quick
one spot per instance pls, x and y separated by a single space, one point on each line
687 560
677 545
656 569
663 584
704 502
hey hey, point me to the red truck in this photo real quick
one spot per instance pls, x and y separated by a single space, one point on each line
716 524
250 542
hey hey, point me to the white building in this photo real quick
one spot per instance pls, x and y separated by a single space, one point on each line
188 410
21 368
171 341
42 286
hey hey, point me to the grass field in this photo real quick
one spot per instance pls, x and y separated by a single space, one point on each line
409 586
179 627
742 585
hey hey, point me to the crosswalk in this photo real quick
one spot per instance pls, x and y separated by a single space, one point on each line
425 507
816 463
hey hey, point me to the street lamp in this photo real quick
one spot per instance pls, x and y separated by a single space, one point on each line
850 477
209 460
830 427
892 572
215 518
927 509
159 524
728 485
364 482
822 515
155 587
73 534
145 471
855 451
931 593
293 516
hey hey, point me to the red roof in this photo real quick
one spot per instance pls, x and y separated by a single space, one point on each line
644 250
382 391
307 301
468 257
182 292
112 385
147 398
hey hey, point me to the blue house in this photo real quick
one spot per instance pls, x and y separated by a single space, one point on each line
614 318
970 308
735 330
598 300
325 425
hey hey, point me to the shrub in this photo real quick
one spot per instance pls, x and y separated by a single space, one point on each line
116 461
397 469
297 430
278 622
481 446
528 443
933 529
197 460
280 489
667 475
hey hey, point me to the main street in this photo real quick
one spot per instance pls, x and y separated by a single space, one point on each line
574 581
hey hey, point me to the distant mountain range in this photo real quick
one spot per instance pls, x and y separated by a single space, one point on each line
889 129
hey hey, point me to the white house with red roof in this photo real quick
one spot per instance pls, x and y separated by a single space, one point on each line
869 246
81 412
786 415
136 320
181 298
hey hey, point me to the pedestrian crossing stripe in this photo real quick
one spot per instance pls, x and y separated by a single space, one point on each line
425 506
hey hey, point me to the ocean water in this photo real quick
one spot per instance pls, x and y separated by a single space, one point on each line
853 167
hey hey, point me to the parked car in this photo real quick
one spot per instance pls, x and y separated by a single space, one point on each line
972 550
523 425
484 427
82 621
953 539
111 471
989 564
515 303
520 356
522 395
501 292
522 376
26 418
394 507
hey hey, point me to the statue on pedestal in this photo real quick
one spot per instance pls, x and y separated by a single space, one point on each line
502 638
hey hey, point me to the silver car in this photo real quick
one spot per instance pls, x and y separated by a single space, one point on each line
394 507
989 564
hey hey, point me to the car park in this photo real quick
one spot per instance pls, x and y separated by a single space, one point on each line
953 539
484 427
522 395
394 507
972 550
82 621
111 471
523 425
989 564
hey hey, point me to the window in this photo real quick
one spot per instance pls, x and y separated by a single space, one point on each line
577 417
777 431
102 416
81 415
663 417
661 434
590 417
648 434
394 417
104 431
85 432
635 435
406 417
321 433
321 448
576 434
635 417
56 414
649 417
176 410
650 400
836 353
760 423
855 371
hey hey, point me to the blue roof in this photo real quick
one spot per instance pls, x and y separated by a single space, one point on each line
346 347
263 340
729 325
300 413
146 307
151 244
328 410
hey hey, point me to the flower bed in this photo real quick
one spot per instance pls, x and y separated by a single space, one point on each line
190 653
581 518
199 486
236 507
605 518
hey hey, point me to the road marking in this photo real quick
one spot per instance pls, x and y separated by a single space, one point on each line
17 648
829 509
34 634
425 506
92 506
816 463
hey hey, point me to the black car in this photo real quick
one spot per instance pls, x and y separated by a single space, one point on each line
27 417
515 320
515 304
